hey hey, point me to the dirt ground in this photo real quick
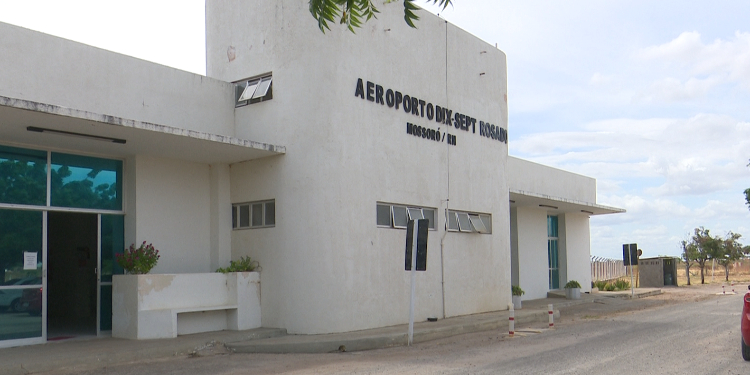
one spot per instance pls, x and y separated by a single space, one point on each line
480 352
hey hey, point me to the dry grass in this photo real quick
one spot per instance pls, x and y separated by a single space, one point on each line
739 273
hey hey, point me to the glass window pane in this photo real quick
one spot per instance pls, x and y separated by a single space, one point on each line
384 215
86 182
552 253
551 226
415 214
23 176
20 232
463 222
554 279
105 324
28 322
113 242
270 213
20 236
257 214
247 94
429 214
399 216
245 216
238 91
234 216
263 88
452 221
487 221
477 223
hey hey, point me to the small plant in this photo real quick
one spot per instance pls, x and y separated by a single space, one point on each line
516 290
140 260
245 264
601 284
572 284
621 284
609 287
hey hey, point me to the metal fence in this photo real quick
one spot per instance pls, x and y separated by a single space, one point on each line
606 269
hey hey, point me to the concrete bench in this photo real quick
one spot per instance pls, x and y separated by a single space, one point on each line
164 306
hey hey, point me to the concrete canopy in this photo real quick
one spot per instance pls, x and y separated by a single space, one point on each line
141 138
519 198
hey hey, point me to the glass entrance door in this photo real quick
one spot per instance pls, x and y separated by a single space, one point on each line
78 201
72 266
552 253
21 277
111 242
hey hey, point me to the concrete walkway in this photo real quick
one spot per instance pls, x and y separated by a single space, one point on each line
96 353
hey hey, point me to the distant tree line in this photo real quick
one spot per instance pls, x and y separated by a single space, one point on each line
702 248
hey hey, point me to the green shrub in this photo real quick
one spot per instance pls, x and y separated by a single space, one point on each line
621 284
609 287
245 264
572 284
138 260
601 284
516 290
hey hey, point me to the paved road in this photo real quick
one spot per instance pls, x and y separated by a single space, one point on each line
655 338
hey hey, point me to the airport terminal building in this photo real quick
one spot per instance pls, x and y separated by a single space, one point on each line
307 151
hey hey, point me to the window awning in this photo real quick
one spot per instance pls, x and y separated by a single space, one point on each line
141 138
519 198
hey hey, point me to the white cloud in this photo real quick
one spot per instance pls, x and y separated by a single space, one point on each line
697 155
600 79
685 47
672 89
699 67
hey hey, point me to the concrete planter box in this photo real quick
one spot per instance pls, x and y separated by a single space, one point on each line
516 302
573 293
167 305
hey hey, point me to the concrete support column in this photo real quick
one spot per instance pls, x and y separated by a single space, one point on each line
221 216
130 191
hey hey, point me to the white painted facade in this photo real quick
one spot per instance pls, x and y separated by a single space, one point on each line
166 305
323 153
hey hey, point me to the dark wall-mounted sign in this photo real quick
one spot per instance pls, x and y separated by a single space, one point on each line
630 254
421 244
420 108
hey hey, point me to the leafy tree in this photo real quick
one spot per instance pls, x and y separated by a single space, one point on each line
354 13
730 250
708 248
689 254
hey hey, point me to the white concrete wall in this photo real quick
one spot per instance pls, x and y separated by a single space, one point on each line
326 257
221 216
51 70
540 179
161 306
533 274
578 250
514 246
171 209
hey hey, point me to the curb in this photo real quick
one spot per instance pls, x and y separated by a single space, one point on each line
369 340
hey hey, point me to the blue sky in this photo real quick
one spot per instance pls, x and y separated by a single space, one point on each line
650 98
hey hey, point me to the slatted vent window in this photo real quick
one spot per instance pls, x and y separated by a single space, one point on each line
398 216
469 222
261 214
253 90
